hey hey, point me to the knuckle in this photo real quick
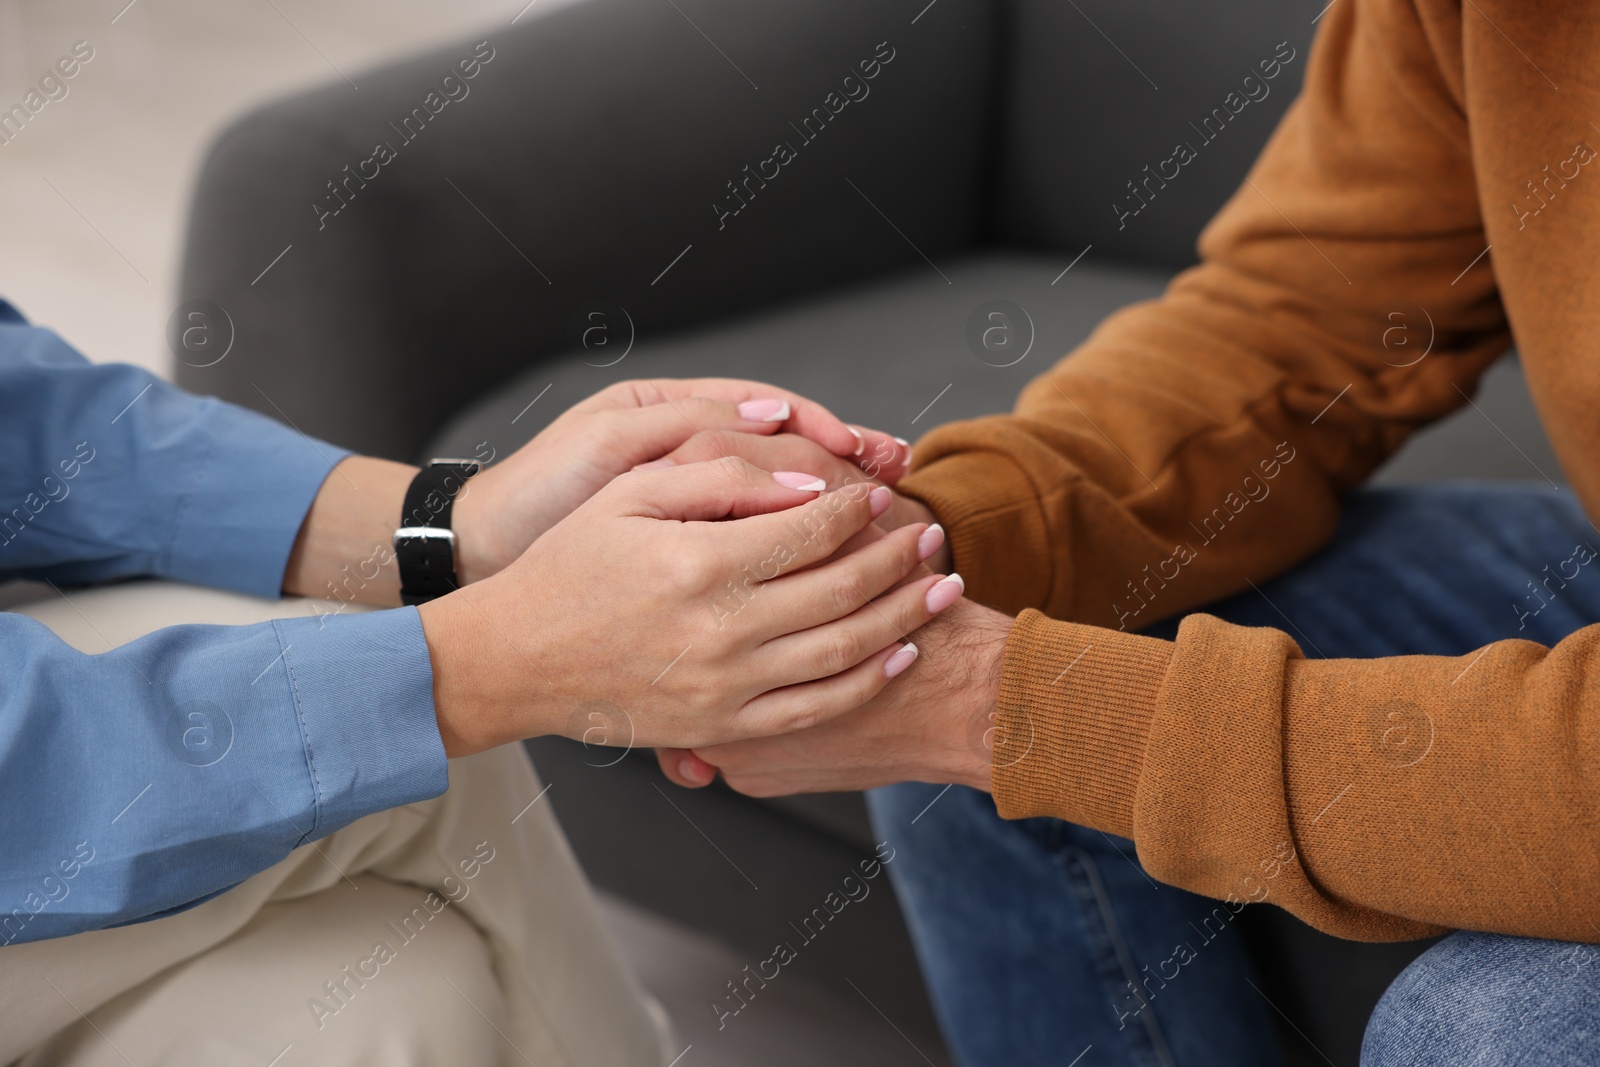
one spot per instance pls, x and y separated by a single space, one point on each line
688 572
906 555
836 527
732 467
630 388
841 652
844 595
803 717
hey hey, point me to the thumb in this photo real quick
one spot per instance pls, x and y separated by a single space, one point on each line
684 768
731 487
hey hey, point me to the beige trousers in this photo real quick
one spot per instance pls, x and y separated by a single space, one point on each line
456 932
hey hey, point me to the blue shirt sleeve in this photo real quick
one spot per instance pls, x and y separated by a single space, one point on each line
147 779
144 780
110 472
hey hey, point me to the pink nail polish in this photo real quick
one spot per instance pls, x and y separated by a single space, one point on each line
929 541
656 464
900 660
861 442
795 480
903 443
944 593
768 410
879 500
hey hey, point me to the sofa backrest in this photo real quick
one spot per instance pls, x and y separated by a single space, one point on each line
682 164
1095 91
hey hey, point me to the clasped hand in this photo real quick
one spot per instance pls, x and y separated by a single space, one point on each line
705 600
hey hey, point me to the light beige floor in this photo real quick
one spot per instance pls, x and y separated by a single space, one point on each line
94 191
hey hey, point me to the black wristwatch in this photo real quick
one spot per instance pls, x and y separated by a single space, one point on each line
424 545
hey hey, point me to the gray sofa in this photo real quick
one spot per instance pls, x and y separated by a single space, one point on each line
616 159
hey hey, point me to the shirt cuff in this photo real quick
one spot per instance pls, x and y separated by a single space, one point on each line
239 522
363 693
1075 707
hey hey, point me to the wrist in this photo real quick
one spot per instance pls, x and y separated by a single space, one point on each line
343 550
967 646
494 522
481 699
477 557
986 662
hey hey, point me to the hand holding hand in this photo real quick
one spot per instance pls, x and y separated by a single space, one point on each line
935 725
701 631
510 505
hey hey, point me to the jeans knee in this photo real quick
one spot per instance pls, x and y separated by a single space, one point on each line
1488 998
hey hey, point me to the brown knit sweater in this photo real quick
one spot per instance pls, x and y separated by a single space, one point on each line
1201 442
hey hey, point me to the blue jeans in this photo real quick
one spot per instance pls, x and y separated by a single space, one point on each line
1039 938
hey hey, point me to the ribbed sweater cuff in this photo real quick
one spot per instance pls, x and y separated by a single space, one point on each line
990 512
1075 707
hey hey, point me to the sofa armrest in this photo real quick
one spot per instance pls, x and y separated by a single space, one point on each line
591 157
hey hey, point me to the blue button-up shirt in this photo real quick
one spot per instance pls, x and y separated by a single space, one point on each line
143 781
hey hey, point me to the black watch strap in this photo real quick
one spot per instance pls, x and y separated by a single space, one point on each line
424 545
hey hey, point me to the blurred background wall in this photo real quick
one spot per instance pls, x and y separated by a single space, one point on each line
94 190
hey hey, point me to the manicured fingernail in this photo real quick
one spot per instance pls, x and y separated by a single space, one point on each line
903 443
770 410
900 660
861 442
656 464
930 540
689 767
944 593
795 480
880 499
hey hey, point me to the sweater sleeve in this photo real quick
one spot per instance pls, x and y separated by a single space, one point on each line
1204 439
1378 799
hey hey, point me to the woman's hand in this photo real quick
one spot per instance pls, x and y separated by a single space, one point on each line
936 725
513 503
695 631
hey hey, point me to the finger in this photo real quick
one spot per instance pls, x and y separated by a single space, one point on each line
838 646
779 452
805 417
807 704
882 457
781 541
647 433
821 594
720 489
684 768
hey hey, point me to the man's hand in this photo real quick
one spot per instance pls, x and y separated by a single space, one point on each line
507 508
935 725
